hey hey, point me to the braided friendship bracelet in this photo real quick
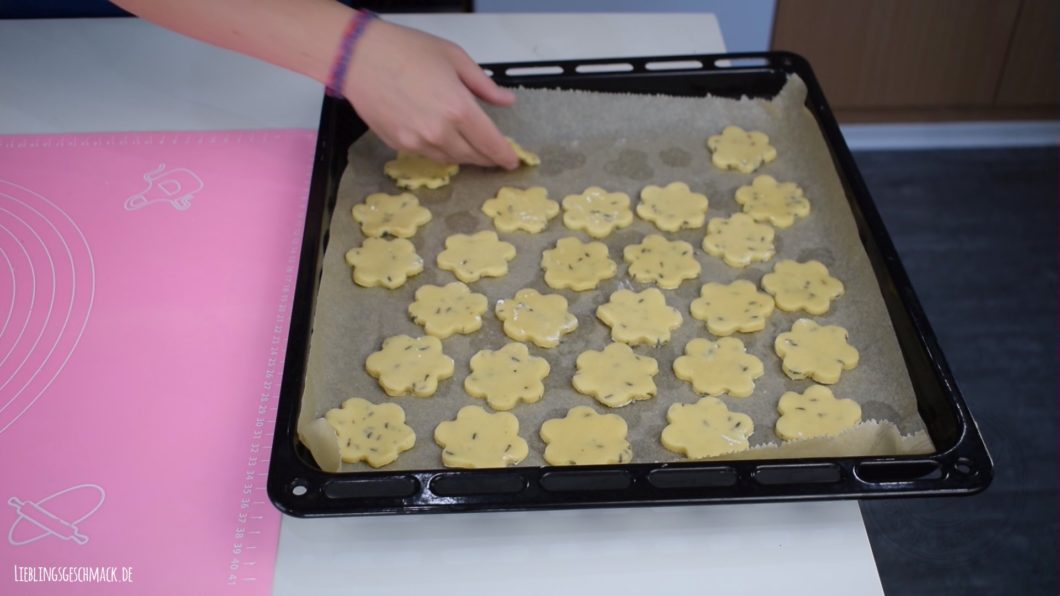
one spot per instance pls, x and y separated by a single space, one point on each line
354 30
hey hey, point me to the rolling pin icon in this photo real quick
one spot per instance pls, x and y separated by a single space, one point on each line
41 514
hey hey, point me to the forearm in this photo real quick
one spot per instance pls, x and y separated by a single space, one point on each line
300 35
417 92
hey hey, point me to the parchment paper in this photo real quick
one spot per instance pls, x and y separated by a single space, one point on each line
622 143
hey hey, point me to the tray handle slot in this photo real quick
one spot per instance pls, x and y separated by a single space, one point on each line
741 63
675 478
674 65
589 480
459 484
533 71
371 488
884 472
797 474
609 67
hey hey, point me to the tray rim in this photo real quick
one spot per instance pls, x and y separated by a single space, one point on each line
965 468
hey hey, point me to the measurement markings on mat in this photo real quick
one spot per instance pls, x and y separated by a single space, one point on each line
254 513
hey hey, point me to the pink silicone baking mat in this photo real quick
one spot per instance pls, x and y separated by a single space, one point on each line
145 287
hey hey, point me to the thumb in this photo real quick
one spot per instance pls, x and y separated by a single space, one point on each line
480 84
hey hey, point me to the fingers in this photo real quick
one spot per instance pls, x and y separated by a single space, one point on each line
479 83
483 135
410 140
422 147
446 147
465 135
460 151
475 126
431 152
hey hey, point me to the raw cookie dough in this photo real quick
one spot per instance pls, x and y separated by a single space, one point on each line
414 171
706 429
738 240
737 149
768 200
445 310
371 433
672 207
818 352
615 376
471 257
521 209
585 438
577 266
815 413
714 368
387 263
738 306
410 366
597 211
395 215
507 376
479 439
525 157
806 286
662 262
540 318
638 318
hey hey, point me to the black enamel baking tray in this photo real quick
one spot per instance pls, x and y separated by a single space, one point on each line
961 465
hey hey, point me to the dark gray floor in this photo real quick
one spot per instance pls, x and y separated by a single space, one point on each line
977 232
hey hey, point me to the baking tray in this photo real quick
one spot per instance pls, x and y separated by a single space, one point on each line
960 466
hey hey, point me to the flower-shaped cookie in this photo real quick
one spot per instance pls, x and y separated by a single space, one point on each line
397 215
445 310
615 376
414 171
719 367
597 211
521 209
472 257
706 429
576 265
639 318
507 376
737 149
525 157
371 433
672 207
387 263
815 413
479 439
540 318
585 438
818 352
665 263
768 200
410 366
738 306
738 240
806 286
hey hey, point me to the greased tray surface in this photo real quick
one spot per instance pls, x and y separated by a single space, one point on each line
622 166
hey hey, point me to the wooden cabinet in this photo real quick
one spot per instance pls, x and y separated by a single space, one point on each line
908 60
1029 77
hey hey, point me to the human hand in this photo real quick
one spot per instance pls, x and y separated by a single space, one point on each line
417 92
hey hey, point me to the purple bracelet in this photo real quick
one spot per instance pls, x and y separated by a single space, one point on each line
354 30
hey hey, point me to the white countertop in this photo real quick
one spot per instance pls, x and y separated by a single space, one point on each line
95 75
791 549
64 76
